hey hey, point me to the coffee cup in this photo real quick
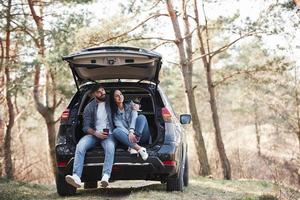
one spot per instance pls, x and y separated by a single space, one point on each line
106 131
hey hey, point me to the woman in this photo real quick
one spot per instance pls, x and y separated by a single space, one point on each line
131 129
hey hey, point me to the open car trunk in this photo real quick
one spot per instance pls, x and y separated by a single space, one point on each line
114 62
138 95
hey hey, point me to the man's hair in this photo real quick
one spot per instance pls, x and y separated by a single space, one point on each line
96 87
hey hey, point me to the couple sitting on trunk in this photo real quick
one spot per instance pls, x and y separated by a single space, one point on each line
107 121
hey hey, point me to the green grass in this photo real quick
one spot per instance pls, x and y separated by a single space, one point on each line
199 188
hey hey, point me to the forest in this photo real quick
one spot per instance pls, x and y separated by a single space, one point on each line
233 65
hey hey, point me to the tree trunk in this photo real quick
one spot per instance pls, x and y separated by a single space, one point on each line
2 86
297 103
257 128
8 166
1 143
46 111
199 141
51 138
298 137
187 76
213 105
206 60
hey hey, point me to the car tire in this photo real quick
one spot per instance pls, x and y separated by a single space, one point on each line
62 187
186 172
90 185
175 184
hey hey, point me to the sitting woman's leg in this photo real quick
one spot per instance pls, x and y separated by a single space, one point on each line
122 137
142 129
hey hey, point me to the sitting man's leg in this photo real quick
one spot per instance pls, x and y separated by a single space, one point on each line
109 146
84 144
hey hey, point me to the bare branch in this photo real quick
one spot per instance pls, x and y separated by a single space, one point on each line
161 44
155 4
190 34
206 31
149 38
20 114
254 70
238 72
134 28
173 63
200 57
58 103
225 47
26 30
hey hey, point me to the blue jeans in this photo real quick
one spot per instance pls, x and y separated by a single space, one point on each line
86 143
141 130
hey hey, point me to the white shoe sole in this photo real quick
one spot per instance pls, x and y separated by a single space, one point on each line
133 152
72 182
145 157
104 184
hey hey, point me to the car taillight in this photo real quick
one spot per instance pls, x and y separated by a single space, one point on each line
65 115
62 163
166 114
169 162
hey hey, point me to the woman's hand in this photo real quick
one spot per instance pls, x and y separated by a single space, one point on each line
132 137
136 107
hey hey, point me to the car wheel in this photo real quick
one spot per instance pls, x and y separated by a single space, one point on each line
186 172
62 187
175 184
90 185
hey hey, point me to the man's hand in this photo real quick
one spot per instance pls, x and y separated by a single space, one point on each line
101 135
132 137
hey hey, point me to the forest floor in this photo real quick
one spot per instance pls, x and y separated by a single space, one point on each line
199 188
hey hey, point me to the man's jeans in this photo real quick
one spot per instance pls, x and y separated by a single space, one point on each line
141 130
89 141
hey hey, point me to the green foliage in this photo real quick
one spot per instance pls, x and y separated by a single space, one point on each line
61 42
267 197
289 5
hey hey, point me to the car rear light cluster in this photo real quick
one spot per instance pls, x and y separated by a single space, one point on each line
169 163
166 114
62 163
65 115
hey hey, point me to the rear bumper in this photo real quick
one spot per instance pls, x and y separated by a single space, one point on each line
128 167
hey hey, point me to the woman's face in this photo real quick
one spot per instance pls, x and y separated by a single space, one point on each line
118 97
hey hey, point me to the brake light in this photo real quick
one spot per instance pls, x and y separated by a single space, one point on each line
62 164
166 114
65 115
169 162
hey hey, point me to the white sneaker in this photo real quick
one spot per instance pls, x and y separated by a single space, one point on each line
73 180
143 153
104 180
132 151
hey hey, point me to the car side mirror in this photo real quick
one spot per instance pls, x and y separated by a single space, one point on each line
185 118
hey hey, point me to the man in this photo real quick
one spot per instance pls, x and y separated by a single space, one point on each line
96 120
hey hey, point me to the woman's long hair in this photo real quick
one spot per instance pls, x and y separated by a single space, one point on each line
113 105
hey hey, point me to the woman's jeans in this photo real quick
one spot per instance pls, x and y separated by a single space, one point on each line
86 143
141 130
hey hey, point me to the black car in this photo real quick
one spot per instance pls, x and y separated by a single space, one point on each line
135 71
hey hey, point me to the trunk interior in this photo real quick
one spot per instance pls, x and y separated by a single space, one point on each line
135 94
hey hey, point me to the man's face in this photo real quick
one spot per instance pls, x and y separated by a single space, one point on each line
100 94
